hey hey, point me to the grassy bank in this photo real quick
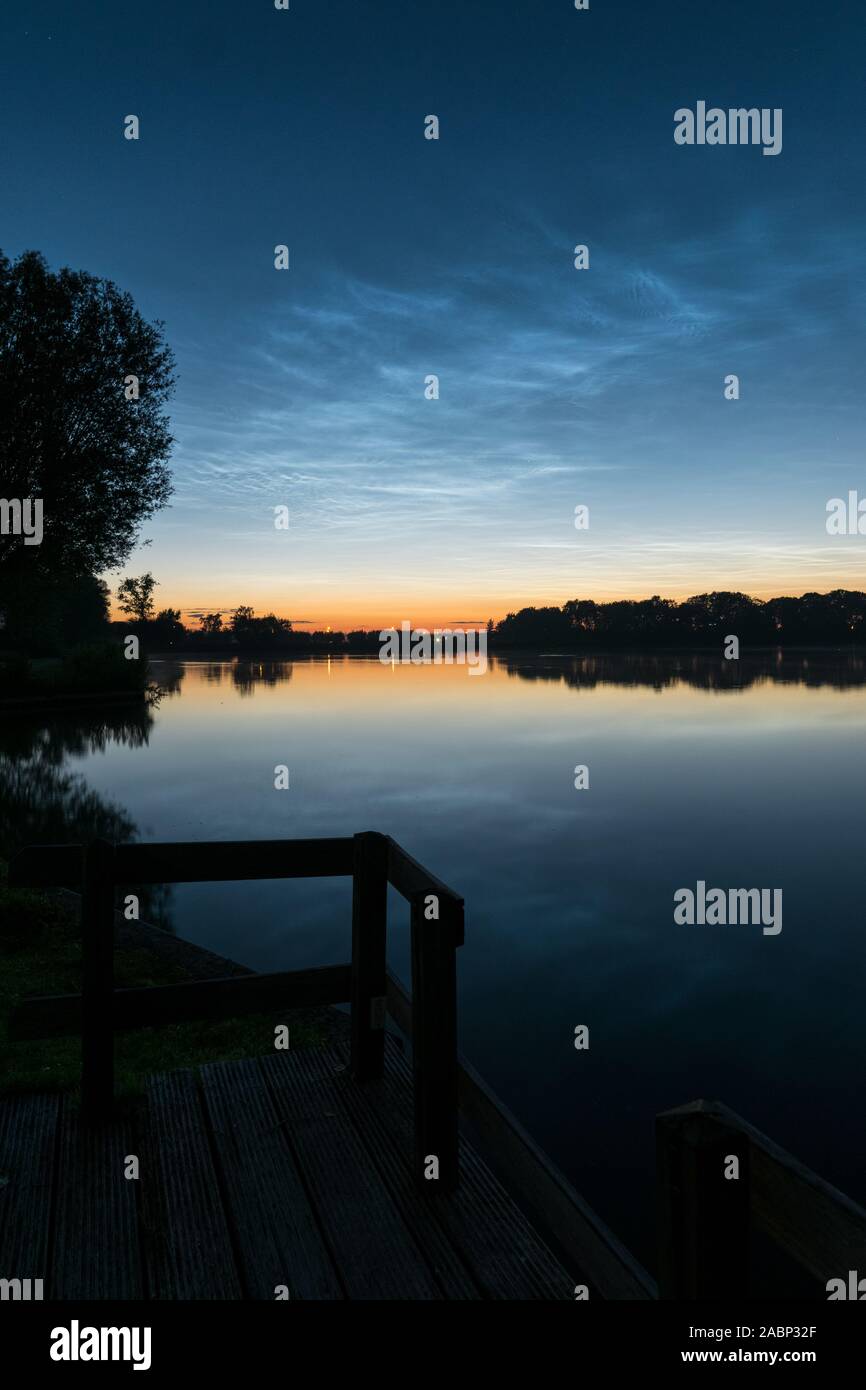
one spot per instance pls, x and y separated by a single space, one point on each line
40 953
100 669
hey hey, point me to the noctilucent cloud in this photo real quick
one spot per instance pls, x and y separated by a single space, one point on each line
411 257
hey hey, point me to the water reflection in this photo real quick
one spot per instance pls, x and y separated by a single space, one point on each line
246 675
740 774
43 801
842 669
171 675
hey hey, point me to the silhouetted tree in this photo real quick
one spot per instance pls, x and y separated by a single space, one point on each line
57 611
361 640
166 629
135 597
74 350
535 626
719 613
267 631
702 620
69 343
242 621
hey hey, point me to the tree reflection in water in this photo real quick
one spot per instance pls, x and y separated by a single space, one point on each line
842 669
42 801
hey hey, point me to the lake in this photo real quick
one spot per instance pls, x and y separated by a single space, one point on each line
740 775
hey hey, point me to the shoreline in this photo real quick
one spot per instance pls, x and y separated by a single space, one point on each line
497 649
196 962
37 702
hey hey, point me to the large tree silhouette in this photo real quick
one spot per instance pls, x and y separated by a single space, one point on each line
74 352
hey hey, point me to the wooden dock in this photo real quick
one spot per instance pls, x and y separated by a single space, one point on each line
266 1178
344 1172
320 1173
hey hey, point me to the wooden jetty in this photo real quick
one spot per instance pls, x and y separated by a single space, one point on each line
346 1172
277 1176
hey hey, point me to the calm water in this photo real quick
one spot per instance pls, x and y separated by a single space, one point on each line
744 777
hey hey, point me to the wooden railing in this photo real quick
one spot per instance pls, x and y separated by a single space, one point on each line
706 1215
587 1244
705 1218
371 860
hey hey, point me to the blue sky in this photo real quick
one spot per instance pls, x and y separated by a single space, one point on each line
454 257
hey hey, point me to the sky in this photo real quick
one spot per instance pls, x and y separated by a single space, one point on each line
409 257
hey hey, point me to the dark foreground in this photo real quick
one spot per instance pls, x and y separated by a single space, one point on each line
266 1178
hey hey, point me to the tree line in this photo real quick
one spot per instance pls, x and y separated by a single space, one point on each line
702 620
241 630
84 384
834 618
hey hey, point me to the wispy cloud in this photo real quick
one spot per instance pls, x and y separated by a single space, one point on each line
555 386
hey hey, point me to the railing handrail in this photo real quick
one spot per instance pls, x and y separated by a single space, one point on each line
705 1217
192 861
373 861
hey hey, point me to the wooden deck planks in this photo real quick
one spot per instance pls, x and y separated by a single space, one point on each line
28 1127
394 1165
506 1255
280 1170
276 1230
374 1250
96 1243
189 1248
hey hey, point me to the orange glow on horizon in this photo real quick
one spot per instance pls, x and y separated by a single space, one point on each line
383 611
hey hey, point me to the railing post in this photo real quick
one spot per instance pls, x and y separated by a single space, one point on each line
369 919
436 928
703 1210
97 946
